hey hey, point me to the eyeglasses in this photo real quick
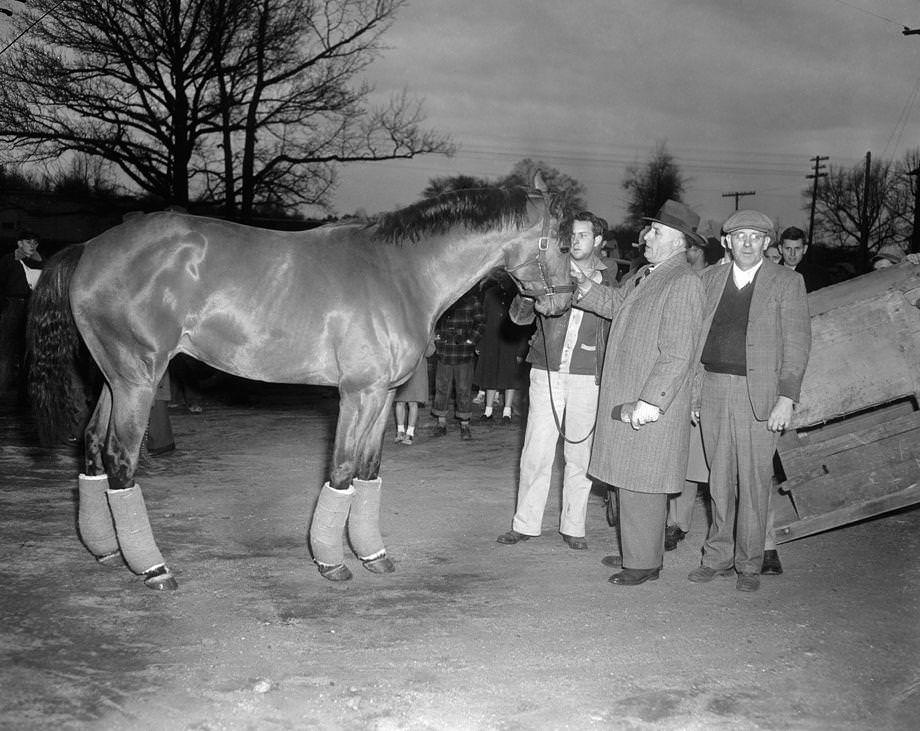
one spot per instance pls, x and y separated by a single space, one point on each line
754 237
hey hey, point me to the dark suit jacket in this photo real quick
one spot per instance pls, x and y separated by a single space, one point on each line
778 333
813 275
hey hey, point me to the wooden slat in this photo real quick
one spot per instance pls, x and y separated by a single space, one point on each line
863 353
790 531
904 279
856 421
845 452
881 474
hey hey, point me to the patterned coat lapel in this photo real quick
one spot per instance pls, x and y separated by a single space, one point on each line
763 287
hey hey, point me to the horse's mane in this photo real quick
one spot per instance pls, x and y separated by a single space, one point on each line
478 209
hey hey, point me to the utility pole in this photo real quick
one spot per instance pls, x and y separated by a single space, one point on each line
915 234
864 215
738 195
819 166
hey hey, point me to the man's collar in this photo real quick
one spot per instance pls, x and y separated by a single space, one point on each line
743 278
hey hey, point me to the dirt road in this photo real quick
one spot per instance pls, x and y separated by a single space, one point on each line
468 634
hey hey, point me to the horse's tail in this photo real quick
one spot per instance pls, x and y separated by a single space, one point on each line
53 345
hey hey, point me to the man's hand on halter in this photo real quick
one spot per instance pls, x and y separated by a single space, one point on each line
581 279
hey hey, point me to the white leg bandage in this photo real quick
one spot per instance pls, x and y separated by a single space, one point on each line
94 519
326 529
134 533
364 521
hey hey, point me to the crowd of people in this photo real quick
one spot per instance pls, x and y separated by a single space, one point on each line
697 361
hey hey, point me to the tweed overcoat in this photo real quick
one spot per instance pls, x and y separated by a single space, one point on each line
654 333
778 333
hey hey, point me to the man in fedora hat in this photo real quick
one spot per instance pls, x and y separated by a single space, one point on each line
643 424
755 346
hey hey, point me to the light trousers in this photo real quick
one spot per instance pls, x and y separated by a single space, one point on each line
575 399
740 451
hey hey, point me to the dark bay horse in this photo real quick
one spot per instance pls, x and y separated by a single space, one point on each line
350 305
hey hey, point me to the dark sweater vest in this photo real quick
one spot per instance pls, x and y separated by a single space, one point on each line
725 350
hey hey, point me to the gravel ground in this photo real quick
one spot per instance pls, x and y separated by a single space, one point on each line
467 634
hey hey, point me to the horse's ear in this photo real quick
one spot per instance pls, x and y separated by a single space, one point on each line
539 183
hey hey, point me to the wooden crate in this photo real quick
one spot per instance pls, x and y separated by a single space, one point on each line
855 448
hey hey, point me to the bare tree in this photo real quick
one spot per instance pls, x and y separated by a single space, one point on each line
252 102
862 212
649 185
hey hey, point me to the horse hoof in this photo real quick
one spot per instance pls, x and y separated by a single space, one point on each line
111 559
382 565
160 579
339 572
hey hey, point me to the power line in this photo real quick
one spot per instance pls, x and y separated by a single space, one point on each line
30 26
738 195
867 12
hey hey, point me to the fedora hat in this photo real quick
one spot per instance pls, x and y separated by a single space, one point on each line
677 215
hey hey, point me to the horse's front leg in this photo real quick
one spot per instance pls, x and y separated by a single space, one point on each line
358 443
364 520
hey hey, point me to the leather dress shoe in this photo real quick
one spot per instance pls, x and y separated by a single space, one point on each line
512 537
441 430
703 573
613 561
579 544
771 564
748 582
672 536
634 577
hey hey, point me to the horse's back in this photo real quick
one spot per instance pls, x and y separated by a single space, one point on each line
273 305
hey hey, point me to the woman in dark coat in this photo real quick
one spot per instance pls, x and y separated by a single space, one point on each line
502 348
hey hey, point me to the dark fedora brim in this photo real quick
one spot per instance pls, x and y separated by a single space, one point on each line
679 225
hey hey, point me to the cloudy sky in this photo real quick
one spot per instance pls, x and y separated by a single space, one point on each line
743 92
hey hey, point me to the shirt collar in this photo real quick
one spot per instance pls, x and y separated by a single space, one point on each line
742 278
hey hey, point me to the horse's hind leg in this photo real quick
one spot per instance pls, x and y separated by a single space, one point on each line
94 518
130 411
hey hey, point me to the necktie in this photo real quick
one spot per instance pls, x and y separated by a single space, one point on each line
643 273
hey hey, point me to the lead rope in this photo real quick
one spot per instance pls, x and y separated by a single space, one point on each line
552 402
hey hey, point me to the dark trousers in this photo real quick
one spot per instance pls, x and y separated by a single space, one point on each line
460 376
642 519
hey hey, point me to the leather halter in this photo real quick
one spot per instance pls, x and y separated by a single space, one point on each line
529 289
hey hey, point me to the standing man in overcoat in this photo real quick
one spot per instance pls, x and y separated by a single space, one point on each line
754 350
656 317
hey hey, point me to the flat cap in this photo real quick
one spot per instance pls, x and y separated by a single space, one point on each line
748 219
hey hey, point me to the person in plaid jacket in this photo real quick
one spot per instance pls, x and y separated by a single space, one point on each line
456 336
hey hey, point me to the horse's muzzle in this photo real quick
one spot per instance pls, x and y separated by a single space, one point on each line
553 304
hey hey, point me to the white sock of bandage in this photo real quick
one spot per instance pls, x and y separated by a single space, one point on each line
94 519
135 535
364 521
328 523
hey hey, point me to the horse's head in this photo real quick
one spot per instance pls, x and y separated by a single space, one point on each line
540 265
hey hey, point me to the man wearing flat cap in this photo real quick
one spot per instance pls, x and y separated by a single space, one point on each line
643 422
754 350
